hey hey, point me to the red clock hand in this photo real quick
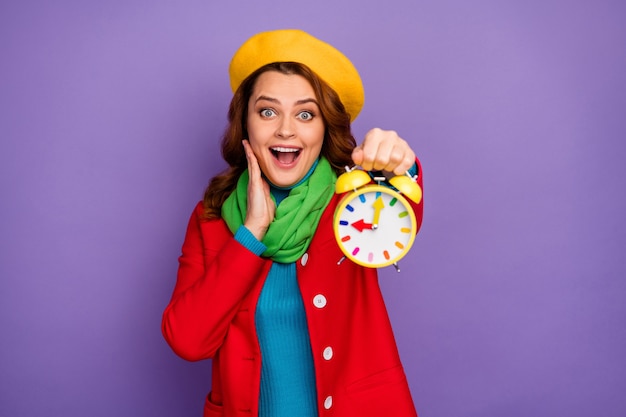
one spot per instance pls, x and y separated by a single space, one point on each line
360 225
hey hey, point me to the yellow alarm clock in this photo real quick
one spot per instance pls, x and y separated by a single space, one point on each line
375 225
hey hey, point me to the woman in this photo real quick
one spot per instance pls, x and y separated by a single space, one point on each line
291 331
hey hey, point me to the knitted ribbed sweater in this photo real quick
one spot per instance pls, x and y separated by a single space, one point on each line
287 370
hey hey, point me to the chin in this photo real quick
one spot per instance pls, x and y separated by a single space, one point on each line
283 182
285 179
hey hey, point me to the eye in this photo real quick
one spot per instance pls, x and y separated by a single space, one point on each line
267 113
305 115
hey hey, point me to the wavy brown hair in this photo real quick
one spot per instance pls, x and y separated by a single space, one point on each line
338 140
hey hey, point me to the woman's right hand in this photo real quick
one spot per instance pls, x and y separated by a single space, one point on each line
261 208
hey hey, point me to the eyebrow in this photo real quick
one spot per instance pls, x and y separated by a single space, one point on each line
274 100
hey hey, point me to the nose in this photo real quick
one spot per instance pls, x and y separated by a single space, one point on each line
286 128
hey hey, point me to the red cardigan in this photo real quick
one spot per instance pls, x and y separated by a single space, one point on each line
211 315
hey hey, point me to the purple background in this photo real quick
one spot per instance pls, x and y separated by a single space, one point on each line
513 300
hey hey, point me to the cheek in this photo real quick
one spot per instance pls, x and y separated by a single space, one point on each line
255 136
260 134
320 144
253 127
317 138
256 149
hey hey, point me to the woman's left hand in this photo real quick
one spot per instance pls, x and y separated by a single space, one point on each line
384 150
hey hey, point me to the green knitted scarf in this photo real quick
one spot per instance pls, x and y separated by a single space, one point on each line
296 218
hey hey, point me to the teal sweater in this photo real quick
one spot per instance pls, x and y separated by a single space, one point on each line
287 370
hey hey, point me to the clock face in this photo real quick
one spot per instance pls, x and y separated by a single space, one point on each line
374 226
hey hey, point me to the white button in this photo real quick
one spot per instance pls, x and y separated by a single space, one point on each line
319 301
305 259
328 353
328 402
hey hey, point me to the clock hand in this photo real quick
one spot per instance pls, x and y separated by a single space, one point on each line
360 225
378 206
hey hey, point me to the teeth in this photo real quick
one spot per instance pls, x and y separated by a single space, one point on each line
279 149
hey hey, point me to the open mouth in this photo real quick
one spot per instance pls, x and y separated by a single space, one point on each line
285 155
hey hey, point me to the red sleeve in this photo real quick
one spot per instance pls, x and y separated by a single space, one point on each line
215 273
419 208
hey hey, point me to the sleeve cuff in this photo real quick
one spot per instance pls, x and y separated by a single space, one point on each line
247 239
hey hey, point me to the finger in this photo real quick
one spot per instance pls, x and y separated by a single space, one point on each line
253 165
357 155
250 156
254 170
401 165
369 149
271 205
398 158
385 154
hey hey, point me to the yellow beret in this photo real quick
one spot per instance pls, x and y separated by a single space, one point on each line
292 45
